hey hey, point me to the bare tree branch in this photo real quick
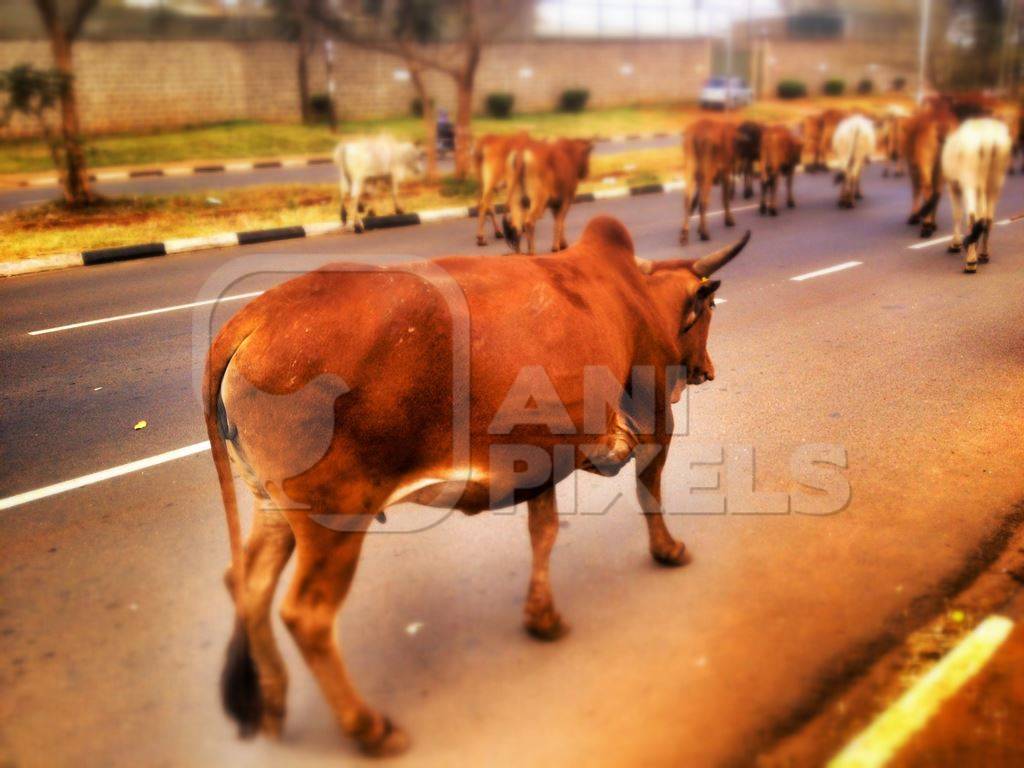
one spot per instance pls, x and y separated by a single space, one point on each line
81 13
48 12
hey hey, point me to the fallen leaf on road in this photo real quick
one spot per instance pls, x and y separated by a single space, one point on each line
141 424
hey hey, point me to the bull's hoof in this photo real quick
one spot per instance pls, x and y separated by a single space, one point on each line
730 222
762 209
790 204
983 258
499 235
481 240
913 219
970 269
673 557
772 212
546 625
705 236
927 230
399 211
359 228
747 194
953 248
391 742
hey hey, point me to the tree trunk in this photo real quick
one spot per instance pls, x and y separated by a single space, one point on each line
429 119
74 178
305 108
463 123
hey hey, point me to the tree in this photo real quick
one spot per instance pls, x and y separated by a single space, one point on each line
295 17
63 29
445 36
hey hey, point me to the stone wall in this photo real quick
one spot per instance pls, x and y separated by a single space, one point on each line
814 62
142 85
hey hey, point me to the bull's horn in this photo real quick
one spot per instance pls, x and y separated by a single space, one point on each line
708 265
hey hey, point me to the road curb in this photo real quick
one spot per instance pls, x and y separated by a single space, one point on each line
96 256
50 180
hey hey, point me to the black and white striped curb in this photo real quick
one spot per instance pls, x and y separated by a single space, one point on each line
228 239
259 165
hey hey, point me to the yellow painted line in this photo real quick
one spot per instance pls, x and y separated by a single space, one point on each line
880 742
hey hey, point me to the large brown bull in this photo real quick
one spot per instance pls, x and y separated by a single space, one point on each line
490 156
542 175
818 131
780 155
709 156
923 136
450 383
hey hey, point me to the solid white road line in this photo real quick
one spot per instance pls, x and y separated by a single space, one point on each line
877 745
826 271
146 313
947 238
106 474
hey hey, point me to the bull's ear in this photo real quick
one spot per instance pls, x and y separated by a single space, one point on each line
708 288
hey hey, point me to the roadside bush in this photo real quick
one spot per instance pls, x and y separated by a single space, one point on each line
898 84
834 87
865 86
500 105
321 108
791 89
573 100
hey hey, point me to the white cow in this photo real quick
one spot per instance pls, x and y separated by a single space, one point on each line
371 162
974 163
852 145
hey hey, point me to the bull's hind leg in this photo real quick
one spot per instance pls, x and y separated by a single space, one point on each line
266 553
664 549
326 562
541 619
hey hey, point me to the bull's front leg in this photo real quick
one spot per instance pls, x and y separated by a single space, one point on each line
541 619
664 549
727 193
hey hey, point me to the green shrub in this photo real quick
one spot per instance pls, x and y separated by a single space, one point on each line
500 105
573 100
321 108
416 106
865 86
834 87
791 89
452 187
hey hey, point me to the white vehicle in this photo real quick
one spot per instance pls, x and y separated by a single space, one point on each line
725 93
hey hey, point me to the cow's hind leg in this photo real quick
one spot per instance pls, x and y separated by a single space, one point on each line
664 549
541 619
259 701
326 562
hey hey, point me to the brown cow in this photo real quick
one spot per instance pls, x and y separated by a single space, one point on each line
892 125
924 134
544 174
490 156
709 152
817 136
447 383
780 155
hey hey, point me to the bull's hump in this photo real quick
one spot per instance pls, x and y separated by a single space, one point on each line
607 231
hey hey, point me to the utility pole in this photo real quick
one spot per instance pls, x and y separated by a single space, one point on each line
922 48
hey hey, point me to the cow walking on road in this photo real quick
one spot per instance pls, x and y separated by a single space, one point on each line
709 152
852 145
780 155
343 392
374 162
975 159
542 175
490 156
924 134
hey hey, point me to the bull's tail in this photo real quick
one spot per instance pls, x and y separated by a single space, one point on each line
975 234
518 199
239 682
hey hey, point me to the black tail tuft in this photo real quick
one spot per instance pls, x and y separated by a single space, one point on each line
839 178
976 230
239 684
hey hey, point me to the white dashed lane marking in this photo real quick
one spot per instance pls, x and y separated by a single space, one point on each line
826 271
145 313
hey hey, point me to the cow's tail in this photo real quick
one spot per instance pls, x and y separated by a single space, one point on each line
239 681
851 160
518 199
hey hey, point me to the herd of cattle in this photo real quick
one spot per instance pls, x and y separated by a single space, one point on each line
475 383
966 145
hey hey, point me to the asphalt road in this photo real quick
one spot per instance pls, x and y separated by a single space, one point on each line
113 617
11 199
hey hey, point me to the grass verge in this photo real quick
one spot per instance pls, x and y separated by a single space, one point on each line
53 228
